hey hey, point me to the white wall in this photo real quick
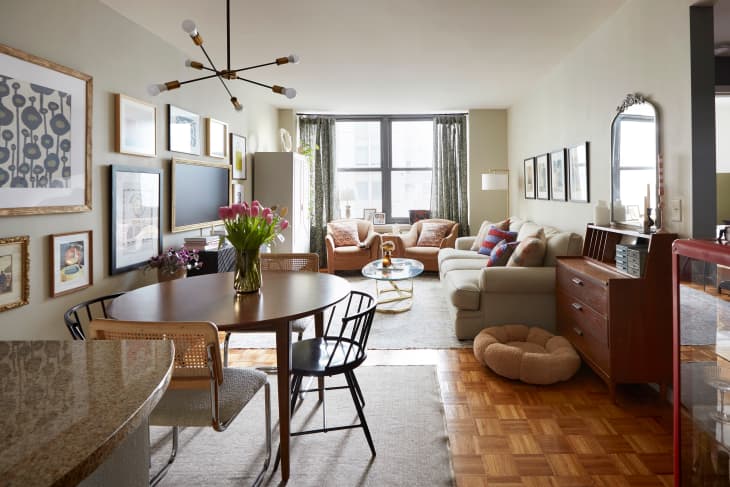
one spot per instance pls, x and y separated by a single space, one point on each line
644 48
122 58
722 124
487 150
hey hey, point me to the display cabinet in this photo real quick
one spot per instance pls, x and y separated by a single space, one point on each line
701 363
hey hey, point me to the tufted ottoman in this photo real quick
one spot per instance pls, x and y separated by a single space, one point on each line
531 355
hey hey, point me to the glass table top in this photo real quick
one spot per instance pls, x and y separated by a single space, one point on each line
400 269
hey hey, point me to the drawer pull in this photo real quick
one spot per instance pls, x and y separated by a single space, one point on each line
577 281
577 306
578 331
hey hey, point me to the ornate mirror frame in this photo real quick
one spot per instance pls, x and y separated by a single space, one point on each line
627 208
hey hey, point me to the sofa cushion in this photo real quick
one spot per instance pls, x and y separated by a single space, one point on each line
529 253
501 253
449 253
344 233
476 264
462 288
484 228
562 243
529 229
494 236
432 233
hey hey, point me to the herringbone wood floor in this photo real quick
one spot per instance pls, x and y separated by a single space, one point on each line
505 433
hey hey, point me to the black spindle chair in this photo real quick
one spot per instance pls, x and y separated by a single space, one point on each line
80 315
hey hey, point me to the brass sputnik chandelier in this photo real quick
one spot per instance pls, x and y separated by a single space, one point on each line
228 73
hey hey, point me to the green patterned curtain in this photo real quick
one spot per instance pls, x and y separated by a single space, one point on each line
318 133
449 192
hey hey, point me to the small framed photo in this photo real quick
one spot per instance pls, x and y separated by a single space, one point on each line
136 226
379 218
217 135
136 126
542 176
578 173
530 178
369 214
71 262
236 193
14 271
238 156
184 131
557 176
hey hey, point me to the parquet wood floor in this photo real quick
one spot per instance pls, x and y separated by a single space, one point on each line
504 433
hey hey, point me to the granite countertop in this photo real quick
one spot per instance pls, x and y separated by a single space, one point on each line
65 405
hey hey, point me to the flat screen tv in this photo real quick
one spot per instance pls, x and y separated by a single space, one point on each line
198 190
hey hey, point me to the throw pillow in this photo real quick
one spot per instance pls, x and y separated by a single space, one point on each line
501 253
494 236
344 233
529 253
432 234
484 228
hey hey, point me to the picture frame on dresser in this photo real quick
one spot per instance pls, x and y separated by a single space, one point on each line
529 179
542 177
558 179
52 111
378 218
136 126
71 262
184 131
14 272
578 173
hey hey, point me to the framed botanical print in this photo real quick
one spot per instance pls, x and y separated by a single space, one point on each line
45 150
238 156
184 131
530 178
542 176
136 226
578 173
217 135
14 272
136 132
557 176
71 262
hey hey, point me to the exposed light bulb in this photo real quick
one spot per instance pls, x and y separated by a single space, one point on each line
293 58
189 63
155 89
189 27
236 104
290 93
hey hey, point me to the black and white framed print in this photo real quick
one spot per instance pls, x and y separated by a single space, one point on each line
558 176
184 131
578 173
530 178
542 176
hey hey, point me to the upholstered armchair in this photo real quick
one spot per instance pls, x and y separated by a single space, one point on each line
425 239
351 244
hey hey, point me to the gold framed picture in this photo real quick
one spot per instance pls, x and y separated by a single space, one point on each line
71 262
14 272
136 132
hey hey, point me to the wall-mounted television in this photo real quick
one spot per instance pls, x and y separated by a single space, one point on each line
198 189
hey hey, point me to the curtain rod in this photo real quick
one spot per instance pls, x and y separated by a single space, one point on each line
354 115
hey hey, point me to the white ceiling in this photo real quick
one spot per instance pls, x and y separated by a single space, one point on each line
383 56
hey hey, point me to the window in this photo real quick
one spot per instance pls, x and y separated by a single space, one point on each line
384 163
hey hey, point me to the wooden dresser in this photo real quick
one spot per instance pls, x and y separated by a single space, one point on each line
620 324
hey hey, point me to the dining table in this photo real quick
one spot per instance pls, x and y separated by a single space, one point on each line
283 297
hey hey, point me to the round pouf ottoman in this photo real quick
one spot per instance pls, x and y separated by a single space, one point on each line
530 354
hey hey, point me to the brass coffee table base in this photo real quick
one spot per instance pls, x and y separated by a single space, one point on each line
394 294
393 298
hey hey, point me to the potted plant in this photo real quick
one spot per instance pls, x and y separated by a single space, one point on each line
174 263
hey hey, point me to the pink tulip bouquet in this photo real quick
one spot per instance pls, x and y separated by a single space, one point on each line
248 227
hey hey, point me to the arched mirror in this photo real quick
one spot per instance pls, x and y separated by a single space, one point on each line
634 154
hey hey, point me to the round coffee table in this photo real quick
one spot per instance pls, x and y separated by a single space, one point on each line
393 298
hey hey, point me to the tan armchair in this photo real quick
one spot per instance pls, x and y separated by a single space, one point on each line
407 244
352 257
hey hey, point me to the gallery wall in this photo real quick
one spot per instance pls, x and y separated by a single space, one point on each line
122 58
643 48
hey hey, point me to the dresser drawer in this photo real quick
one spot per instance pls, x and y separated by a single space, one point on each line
593 293
587 345
576 313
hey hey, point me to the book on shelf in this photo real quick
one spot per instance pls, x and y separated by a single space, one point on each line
207 240
200 246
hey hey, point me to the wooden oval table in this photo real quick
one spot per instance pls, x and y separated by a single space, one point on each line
284 296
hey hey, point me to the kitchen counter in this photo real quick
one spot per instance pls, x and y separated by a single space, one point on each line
65 406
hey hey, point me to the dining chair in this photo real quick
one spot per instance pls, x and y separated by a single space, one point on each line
285 262
201 392
341 349
79 316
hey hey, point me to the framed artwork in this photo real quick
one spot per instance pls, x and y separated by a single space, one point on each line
136 226
71 262
542 177
379 218
136 126
530 178
184 131
217 135
578 173
557 176
417 215
238 156
369 214
236 193
45 151
14 271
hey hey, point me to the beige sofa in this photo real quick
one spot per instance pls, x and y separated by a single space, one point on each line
480 296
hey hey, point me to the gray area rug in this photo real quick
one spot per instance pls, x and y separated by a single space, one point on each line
426 325
403 409
705 317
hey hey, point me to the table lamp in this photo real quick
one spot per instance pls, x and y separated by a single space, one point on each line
347 195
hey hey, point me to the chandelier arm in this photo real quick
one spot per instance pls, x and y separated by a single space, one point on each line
254 82
199 79
228 33
254 67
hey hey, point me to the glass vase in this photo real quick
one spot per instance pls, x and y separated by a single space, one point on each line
247 274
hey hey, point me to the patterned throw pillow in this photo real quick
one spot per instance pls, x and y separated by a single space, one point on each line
494 236
344 234
501 253
432 234
484 228
529 253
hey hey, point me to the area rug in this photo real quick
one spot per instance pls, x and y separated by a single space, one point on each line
705 317
426 325
403 409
